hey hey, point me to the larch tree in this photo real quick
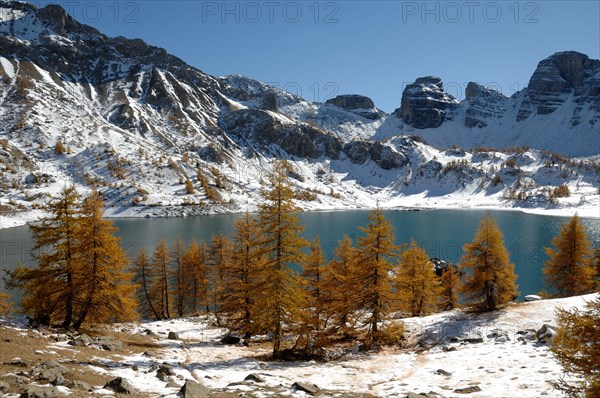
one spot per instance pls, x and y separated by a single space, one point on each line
49 288
569 269
577 349
219 261
5 305
105 292
417 285
178 286
161 284
144 278
450 284
279 298
372 275
315 300
241 277
491 280
338 288
195 277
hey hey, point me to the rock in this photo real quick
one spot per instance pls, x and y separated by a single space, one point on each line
351 102
484 105
308 388
173 336
230 340
474 338
49 371
172 384
166 370
192 389
502 339
40 392
108 343
254 377
18 362
415 395
546 332
120 386
3 386
82 385
467 390
556 79
81 341
532 297
425 104
442 372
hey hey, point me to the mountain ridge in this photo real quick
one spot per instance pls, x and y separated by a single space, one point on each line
139 123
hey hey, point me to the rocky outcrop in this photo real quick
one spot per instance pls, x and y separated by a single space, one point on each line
358 104
384 156
351 102
264 129
425 104
559 77
484 104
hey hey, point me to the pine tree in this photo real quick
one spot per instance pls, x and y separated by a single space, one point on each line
376 253
104 289
219 261
315 303
577 348
279 301
49 288
177 253
450 285
417 285
144 278
491 282
338 287
569 267
241 278
195 277
161 285
596 265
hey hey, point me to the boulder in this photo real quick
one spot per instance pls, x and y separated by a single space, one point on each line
442 372
192 389
467 390
546 333
308 388
3 387
230 340
173 336
415 395
165 370
120 386
40 392
254 377
81 340
49 371
108 343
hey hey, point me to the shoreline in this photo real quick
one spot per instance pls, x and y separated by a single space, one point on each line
185 211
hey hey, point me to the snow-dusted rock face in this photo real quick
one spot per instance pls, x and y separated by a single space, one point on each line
558 111
561 77
359 104
483 105
425 104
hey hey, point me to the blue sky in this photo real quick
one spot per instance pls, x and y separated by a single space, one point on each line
323 48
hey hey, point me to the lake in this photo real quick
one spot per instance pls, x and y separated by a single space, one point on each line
442 233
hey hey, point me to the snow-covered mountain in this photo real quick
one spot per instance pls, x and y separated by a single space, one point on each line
138 123
558 111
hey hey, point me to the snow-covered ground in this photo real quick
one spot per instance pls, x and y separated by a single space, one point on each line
506 361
